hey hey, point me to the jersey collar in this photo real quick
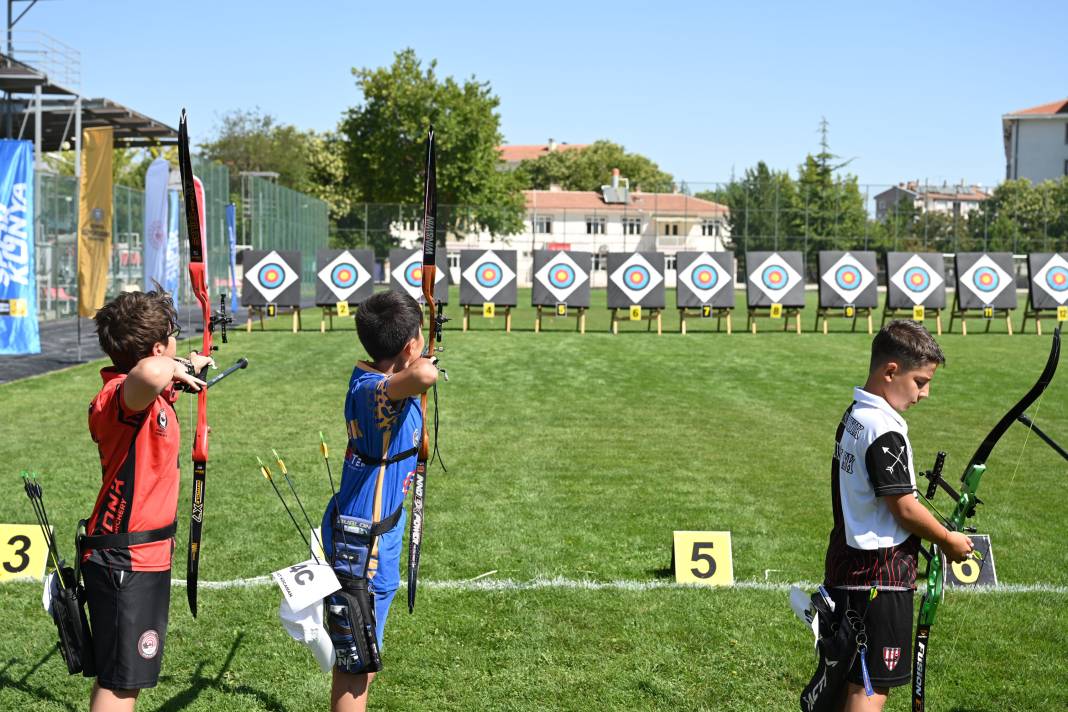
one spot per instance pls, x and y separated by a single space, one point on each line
871 400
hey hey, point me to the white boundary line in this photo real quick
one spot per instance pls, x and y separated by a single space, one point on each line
560 582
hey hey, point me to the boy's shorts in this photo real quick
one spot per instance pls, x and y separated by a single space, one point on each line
888 623
383 600
128 616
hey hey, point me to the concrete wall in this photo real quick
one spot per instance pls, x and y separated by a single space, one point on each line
1038 149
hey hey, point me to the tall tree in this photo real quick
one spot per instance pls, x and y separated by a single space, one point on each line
248 140
386 133
591 167
763 207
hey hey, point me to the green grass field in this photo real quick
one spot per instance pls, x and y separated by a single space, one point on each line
571 461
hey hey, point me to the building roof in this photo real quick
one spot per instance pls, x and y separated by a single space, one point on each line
963 193
515 154
638 202
1051 109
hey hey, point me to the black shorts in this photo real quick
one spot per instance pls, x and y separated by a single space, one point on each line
888 623
128 616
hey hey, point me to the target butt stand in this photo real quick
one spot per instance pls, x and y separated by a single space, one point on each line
637 313
918 313
988 313
1030 312
489 311
271 311
775 311
846 312
562 310
706 312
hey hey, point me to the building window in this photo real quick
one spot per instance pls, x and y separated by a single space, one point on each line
543 224
670 262
454 260
594 225
710 228
671 228
632 226
410 224
599 261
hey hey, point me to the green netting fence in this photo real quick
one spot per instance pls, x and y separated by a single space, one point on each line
276 217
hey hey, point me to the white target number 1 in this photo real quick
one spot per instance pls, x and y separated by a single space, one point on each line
703 558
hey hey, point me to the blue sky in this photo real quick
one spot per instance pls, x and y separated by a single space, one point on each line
911 90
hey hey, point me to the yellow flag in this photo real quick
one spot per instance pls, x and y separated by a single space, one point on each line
94 219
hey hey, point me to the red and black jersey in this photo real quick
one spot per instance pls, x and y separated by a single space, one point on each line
139 462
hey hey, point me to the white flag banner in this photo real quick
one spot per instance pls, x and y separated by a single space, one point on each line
155 228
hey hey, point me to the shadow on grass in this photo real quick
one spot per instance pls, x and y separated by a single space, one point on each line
199 683
21 684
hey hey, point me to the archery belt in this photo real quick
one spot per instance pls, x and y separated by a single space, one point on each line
837 645
350 612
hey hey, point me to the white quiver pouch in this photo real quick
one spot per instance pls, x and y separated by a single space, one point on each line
304 586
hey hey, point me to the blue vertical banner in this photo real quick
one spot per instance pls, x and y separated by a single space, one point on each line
231 232
173 259
18 279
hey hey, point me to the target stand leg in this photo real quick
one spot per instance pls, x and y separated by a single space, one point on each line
1008 321
682 321
467 317
615 324
537 321
582 320
870 326
730 330
659 323
938 321
296 320
508 320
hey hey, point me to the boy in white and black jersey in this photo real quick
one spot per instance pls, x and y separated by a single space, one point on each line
878 519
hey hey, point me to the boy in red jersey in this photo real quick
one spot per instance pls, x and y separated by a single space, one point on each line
126 553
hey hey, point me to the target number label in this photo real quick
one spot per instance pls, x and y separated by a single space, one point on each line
918 313
305 583
850 310
974 572
489 309
1062 313
988 312
342 308
703 558
561 310
776 310
635 312
23 552
706 311
271 310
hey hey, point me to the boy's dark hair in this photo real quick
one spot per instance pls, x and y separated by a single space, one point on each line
131 323
906 342
386 322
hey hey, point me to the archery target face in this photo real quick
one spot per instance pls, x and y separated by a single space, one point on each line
916 280
271 276
985 279
488 275
774 277
343 275
409 274
848 278
705 277
561 276
1052 278
636 277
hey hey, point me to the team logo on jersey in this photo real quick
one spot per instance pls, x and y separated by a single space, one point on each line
148 644
897 458
161 420
891 656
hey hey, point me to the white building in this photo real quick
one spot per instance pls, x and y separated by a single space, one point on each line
613 219
958 200
1036 142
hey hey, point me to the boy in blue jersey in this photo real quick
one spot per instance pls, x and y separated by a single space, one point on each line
363 524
